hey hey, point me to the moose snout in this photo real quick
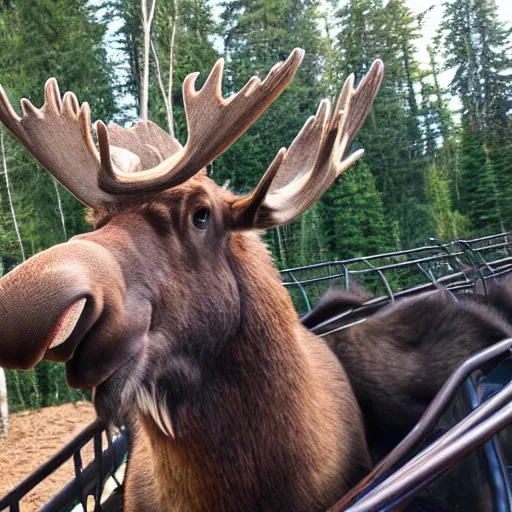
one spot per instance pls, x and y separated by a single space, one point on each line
48 303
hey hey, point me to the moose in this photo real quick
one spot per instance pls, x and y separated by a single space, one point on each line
172 310
398 358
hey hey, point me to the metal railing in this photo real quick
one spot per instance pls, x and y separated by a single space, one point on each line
88 481
457 265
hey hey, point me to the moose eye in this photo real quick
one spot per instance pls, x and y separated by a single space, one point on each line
201 218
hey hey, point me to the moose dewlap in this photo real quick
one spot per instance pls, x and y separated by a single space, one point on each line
172 309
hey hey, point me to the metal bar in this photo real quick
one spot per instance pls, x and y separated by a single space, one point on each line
304 294
488 237
480 414
406 252
89 476
77 462
401 264
52 464
98 455
412 481
389 267
428 419
499 475
360 259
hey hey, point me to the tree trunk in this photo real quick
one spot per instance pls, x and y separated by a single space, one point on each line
147 19
170 113
4 407
61 211
11 205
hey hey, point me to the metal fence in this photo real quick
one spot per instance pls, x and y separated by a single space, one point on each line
109 453
457 265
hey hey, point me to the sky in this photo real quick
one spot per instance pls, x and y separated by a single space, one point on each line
431 23
433 19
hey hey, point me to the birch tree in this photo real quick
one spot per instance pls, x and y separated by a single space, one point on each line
9 197
61 210
167 95
4 408
147 20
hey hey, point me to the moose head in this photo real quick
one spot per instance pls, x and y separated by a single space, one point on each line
171 308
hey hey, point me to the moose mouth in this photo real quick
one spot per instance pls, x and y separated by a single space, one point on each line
66 325
72 304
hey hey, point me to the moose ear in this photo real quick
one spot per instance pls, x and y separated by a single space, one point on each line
299 176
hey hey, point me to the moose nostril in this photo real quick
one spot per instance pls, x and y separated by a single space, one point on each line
64 327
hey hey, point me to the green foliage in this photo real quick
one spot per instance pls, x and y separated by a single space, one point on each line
372 29
479 198
479 48
449 224
352 216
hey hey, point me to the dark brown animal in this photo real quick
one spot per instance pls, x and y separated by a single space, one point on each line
399 357
497 293
335 302
172 309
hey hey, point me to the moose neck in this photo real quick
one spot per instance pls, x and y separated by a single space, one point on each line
266 380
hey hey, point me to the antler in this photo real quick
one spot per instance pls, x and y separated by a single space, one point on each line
143 158
214 123
300 175
59 137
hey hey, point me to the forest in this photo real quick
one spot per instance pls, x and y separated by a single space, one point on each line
431 170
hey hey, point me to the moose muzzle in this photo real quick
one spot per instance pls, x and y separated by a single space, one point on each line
49 303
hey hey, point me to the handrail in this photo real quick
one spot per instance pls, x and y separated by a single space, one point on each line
95 474
428 419
360 259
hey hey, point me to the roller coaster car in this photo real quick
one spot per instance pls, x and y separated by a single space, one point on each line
481 482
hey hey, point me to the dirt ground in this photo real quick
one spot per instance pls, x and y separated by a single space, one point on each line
34 436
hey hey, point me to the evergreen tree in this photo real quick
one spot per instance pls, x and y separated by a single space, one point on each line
478 186
66 44
440 151
370 29
479 48
449 224
60 38
257 34
352 214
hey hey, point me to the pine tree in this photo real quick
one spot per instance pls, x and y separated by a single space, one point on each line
449 224
352 216
479 48
478 186
370 29
60 38
257 34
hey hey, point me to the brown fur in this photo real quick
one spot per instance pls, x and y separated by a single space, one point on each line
194 326
398 359
497 294
335 302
